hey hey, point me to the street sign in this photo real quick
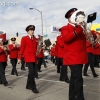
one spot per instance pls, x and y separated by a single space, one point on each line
46 35
98 29
54 29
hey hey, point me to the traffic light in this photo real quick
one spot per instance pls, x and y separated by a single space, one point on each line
17 34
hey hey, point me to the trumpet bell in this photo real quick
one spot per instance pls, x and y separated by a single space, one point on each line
78 17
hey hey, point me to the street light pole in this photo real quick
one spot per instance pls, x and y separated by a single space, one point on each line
46 27
41 17
43 20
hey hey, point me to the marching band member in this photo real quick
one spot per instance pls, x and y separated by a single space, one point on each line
89 47
56 58
75 54
96 50
28 48
53 54
60 54
13 48
40 57
3 62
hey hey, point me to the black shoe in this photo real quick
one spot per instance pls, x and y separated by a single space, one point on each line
46 61
16 74
58 71
85 74
35 91
6 83
39 71
0 82
61 79
45 66
36 77
28 88
67 81
23 69
95 75
12 74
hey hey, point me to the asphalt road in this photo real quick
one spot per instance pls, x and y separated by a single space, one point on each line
48 84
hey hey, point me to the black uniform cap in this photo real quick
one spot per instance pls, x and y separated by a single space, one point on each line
30 27
70 12
13 39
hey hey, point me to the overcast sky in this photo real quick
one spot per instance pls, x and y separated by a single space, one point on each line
15 17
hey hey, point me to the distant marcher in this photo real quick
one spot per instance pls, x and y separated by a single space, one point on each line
3 62
13 55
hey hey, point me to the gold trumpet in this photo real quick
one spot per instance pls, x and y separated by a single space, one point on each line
88 33
39 44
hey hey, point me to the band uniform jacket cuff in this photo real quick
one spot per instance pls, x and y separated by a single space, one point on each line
75 33
20 56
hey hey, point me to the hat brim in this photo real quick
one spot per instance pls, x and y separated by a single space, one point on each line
70 12
30 27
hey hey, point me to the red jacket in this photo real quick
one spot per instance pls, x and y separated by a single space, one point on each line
53 51
89 47
28 48
41 54
56 49
96 49
22 56
13 51
74 46
3 56
60 45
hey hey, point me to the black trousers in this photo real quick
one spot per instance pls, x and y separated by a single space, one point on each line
44 63
45 58
56 60
53 59
22 64
14 63
63 72
90 62
2 72
36 70
59 64
30 80
76 83
96 60
39 63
